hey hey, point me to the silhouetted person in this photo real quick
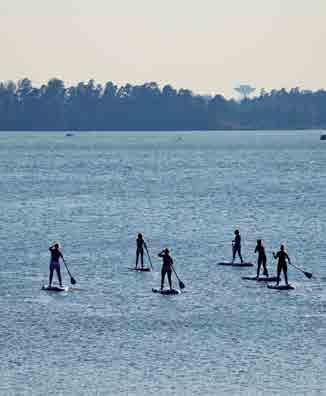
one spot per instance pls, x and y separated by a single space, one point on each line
166 267
236 246
262 260
55 262
140 243
282 257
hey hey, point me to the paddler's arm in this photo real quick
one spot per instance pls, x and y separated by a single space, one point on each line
274 255
61 255
161 254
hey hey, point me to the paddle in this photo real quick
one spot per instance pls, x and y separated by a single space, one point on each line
72 279
181 284
307 274
149 258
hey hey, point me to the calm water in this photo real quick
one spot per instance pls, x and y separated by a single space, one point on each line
223 336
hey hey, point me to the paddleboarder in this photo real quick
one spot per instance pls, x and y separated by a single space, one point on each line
282 257
55 263
236 246
140 244
262 260
166 267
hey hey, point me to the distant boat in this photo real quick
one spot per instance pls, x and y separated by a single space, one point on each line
69 134
323 137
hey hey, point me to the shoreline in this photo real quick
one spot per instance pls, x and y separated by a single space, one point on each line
72 131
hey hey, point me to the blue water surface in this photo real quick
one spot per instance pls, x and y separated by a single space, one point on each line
93 192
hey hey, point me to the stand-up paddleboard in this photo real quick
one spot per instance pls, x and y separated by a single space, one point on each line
281 287
140 269
55 288
261 278
237 264
167 291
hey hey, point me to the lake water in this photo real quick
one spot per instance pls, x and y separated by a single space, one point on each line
94 192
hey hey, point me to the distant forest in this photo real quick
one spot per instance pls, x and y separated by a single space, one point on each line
91 106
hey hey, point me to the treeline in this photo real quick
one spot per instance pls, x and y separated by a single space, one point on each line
91 106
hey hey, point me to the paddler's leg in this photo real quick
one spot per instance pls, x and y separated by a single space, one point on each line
137 256
239 253
142 258
170 279
51 275
234 250
265 266
59 274
285 272
279 267
163 272
258 266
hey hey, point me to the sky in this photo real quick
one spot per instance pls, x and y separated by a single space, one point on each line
208 46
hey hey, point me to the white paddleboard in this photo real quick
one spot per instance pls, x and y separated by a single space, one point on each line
55 288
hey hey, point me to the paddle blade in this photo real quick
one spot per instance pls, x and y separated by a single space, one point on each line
308 274
181 285
72 281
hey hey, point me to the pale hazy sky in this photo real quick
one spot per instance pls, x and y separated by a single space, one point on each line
208 46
